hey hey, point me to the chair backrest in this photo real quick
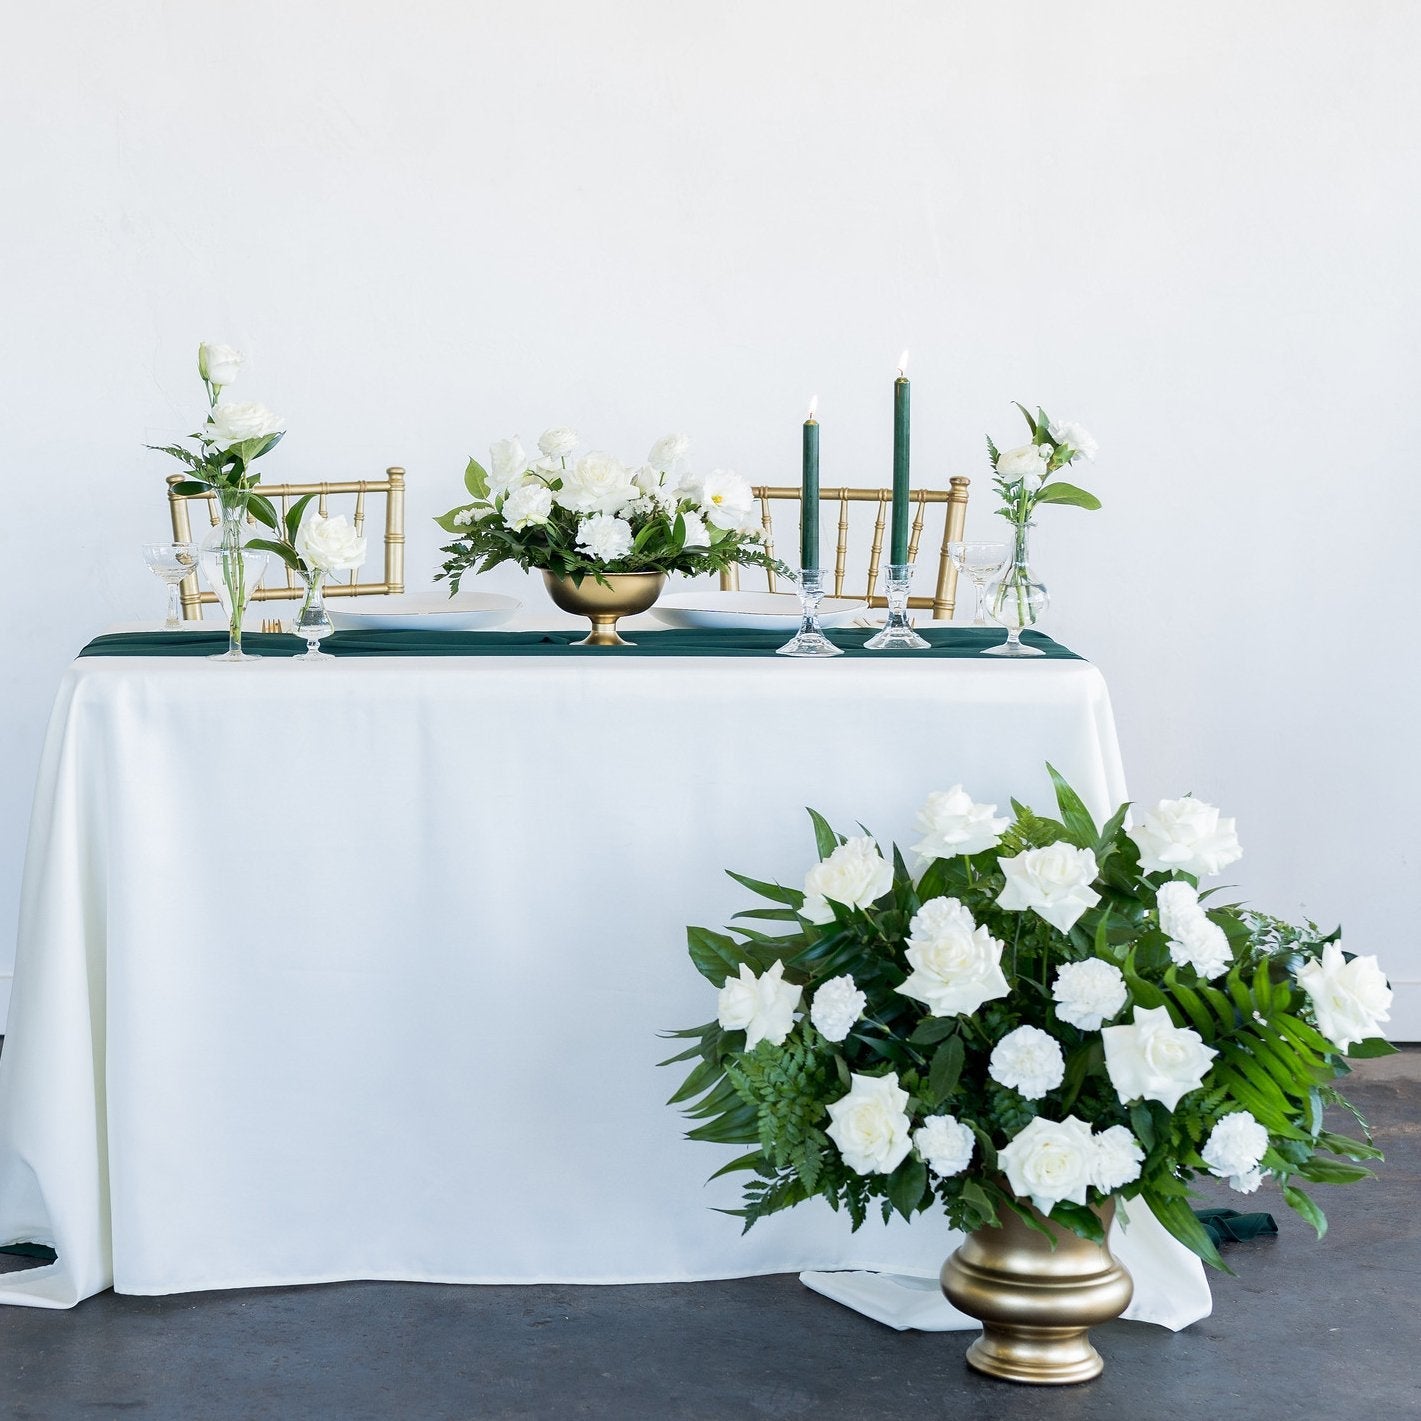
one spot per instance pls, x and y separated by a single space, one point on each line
391 488
944 597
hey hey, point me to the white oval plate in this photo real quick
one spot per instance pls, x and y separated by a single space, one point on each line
427 612
759 611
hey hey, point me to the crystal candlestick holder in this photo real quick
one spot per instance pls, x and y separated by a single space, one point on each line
810 640
896 632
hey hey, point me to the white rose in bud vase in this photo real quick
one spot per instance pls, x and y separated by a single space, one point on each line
1153 1059
1235 1145
1117 1161
763 1007
855 875
697 535
838 1004
1350 1000
1076 436
668 451
219 364
1054 883
507 464
557 443
1049 1161
951 824
945 1145
596 483
1185 836
528 505
726 498
232 424
1028 1061
1087 994
1026 461
330 544
870 1124
604 537
957 966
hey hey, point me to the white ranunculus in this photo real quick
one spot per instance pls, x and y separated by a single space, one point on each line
870 1124
219 364
330 544
1077 436
1185 836
762 1007
1235 1145
1050 1161
945 1145
1194 940
557 443
697 535
507 464
1088 993
597 483
726 498
837 1005
1053 882
951 824
1153 1059
231 424
1028 1061
1117 1161
529 505
855 874
1350 1000
668 451
604 537
1026 461
956 964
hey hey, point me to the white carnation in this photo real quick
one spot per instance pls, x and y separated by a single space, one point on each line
528 506
952 824
1053 882
604 537
1089 993
837 1005
1076 436
855 875
763 1007
1194 940
1350 1000
945 1145
1117 1161
957 966
597 483
1235 1145
1028 1061
1247 1182
1185 836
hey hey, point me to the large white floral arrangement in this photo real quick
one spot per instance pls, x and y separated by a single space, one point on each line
1047 1013
589 514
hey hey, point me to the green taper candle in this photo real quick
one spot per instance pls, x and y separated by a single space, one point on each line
902 391
809 494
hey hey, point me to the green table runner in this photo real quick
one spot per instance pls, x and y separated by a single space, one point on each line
950 642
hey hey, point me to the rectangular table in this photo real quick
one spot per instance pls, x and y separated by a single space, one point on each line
356 969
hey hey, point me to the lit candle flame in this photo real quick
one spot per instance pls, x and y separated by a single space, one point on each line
903 365
813 408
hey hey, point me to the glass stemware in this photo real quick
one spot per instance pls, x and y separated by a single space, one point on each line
898 633
981 562
313 622
1016 599
170 563
810 640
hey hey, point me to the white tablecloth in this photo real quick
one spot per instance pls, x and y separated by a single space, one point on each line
356 970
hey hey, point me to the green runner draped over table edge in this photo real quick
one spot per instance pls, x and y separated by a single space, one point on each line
949 642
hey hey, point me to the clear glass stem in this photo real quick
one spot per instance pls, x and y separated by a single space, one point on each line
897 632
810 640
234 570
175 610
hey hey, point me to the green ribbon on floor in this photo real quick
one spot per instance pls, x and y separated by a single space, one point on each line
951 643
1229 1226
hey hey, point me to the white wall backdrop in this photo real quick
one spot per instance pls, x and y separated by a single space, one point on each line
433 224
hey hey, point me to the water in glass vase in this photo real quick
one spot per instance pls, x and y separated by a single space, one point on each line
1015 599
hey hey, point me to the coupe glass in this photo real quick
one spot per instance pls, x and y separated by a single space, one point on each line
981 562
170 563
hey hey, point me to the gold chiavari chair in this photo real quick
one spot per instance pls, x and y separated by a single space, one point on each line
391 487
944 597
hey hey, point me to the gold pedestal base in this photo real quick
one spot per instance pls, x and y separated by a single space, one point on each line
623 595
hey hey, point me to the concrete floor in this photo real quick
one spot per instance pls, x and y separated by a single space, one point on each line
1306 1330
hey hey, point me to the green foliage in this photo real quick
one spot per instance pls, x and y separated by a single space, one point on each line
1019 498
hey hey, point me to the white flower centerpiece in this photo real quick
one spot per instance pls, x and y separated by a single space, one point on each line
1047 1018
576 516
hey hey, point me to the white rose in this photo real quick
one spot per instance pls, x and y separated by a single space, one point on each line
330 544
838 1004
219 364
557 443
762 1007
870 1124
945 1145
1028 1061
1049 1161
597 483
1186 836
1235 1145
230 425
507 464
528 506
1117 1161
855 874
696 534
604 537
668 451
1153 1059
1053 882
956 964
952 824
1349 999
1088 993
1027 461
1077 436
726 498
1195 941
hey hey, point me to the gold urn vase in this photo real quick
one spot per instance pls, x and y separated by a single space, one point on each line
1036 1303
620 594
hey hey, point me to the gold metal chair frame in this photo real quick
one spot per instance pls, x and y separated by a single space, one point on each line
944 598
392 486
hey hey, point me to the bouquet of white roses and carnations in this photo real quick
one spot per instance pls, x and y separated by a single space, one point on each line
1048 1014
591 515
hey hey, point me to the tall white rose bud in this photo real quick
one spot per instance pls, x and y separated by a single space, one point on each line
219 364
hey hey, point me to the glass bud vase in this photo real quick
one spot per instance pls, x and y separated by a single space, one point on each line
232 569
313 623
1016 599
